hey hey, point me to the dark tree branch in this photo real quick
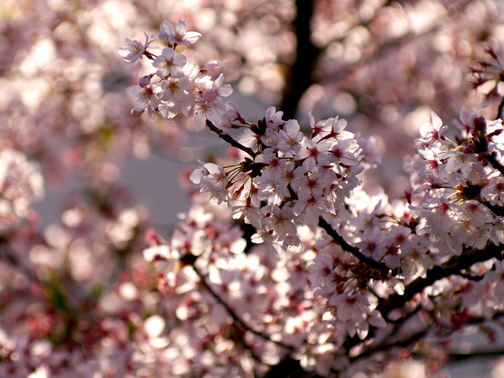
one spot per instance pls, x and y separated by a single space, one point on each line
452 357
235 317
229 139
299 78
350 248
500 108
469 277
492 159
289 368
307 54
497 210
451 267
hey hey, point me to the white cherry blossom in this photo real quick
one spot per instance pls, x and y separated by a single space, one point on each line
169 64
134 50
177 34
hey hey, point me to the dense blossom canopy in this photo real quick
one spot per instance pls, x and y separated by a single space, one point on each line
342 253
291 260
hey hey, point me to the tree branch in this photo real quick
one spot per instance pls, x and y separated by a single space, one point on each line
350 248
229 139
235 317
452 357
299 78
451 267
500 108
492 159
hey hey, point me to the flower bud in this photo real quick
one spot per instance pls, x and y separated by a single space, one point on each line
145 80
480 124
212 67
136 113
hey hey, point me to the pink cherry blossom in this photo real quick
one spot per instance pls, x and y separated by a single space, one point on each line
177 34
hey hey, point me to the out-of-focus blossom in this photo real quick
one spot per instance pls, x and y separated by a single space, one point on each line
21 183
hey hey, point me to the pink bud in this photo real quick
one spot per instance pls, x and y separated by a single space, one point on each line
145 80
136 113
212 67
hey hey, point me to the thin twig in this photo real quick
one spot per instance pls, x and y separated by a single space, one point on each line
350 248
229 139
8 256
500 108
469 277
235 317
492 159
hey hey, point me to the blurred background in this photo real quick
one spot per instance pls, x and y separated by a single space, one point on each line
382 65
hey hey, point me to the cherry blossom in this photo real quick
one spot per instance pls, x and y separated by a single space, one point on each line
134 50
20 184
177 34
146 97
299 181
292 257
169 64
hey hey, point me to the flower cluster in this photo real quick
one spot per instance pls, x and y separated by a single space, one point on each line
281 276
21 183
460 185
329 258
181 86
213 283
